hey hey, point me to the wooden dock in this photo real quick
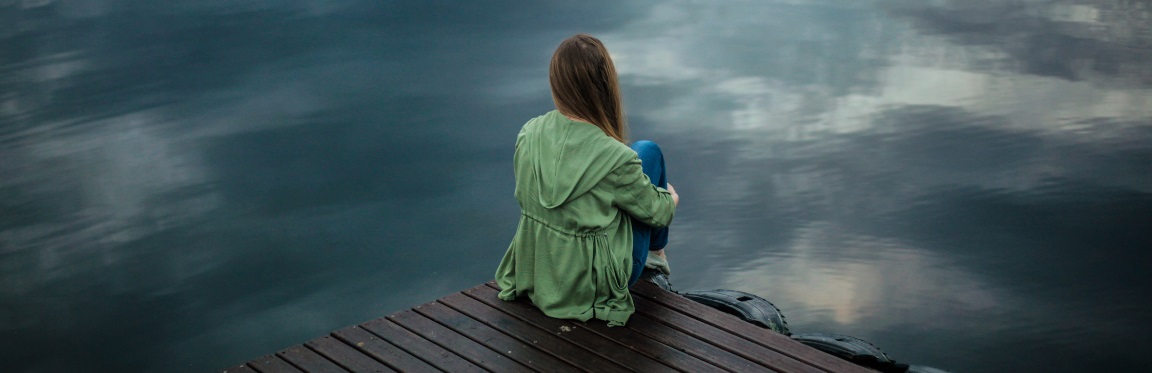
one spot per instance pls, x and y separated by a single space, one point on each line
474 331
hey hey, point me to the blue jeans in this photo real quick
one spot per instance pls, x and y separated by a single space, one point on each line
644 237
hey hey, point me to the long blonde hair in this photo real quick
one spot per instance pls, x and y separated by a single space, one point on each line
584 85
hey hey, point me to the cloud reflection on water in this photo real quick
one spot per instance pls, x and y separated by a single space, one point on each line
1104 41
848 164
252 166
828 275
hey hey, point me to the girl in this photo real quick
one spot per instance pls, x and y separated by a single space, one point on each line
594 211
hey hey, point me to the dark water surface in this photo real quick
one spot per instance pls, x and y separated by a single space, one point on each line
185 185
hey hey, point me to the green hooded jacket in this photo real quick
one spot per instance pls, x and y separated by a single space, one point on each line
577 188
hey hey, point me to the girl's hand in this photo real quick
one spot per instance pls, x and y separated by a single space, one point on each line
675 197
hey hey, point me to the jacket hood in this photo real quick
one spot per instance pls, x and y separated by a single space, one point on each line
568 158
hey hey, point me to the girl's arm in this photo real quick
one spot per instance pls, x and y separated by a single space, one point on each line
636 195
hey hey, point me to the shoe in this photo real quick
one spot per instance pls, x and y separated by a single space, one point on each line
656 277
659 263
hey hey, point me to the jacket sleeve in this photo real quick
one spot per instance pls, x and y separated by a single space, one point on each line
635 194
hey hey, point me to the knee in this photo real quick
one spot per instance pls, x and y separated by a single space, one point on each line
647 149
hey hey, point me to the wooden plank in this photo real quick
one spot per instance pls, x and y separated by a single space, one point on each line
475 331
676 357
346 356
567 330
476 353
722 339
764 337
309 361
693 346
672 357
526 333
272 364
419 347
239 369
494 339
381 350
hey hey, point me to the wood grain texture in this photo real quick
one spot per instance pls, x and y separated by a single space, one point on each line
495 340
272 364
571 353
381 350
424 349
346 356
242 368
309 361
461 345
760 336
475 331
569 331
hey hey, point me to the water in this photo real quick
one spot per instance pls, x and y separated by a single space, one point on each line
188 185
